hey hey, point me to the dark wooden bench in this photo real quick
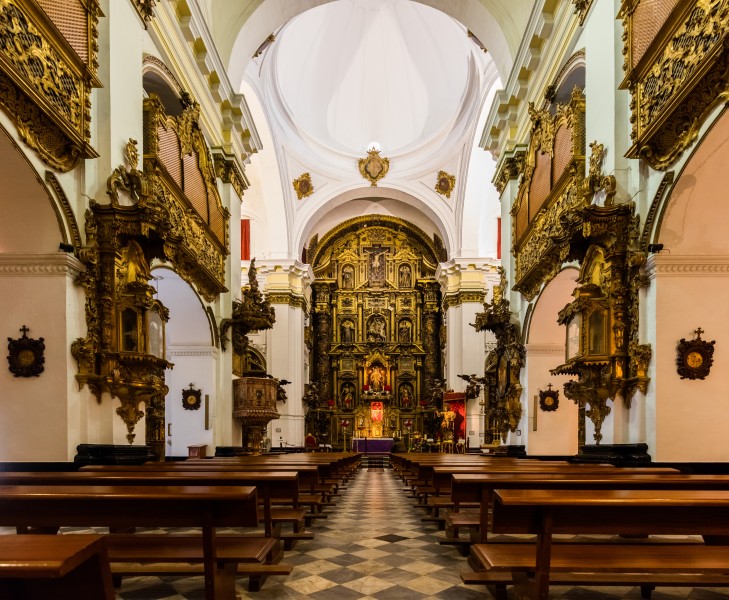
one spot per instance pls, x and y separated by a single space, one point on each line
206 507
624 512
47 566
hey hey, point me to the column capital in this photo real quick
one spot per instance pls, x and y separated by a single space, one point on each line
466 280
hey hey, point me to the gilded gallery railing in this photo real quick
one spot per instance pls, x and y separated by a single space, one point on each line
48 64
551 186
676 68
178 164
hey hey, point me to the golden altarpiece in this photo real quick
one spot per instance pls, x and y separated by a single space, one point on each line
376 322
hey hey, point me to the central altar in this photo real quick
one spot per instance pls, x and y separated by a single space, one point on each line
367 445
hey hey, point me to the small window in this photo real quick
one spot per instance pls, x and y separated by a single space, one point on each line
129 331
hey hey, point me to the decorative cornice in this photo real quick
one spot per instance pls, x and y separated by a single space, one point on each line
145 9
545 349
509 168
289 298
228 171
659 265
582 7
208 351
39 265
463 297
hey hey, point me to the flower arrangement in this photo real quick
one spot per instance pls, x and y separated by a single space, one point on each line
330 403
345 423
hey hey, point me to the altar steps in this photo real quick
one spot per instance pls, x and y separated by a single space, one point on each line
375 461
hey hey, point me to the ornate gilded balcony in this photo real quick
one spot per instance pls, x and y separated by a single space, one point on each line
677 70
48 67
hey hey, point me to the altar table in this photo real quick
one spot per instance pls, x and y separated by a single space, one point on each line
370 445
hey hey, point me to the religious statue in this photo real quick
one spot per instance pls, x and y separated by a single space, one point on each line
347 332
347 396
347 278
404 279
406 398
377 267
376 331
404 331
377 379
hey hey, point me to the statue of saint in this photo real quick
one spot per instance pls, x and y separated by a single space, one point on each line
347 397
377 379
404 331
406 398
347 332
347 278
404 280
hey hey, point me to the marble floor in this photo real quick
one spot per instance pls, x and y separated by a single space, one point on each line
373 545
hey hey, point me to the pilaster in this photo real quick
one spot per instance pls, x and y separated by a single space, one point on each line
287 287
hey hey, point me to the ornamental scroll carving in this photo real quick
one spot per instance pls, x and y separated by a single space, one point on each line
45 85
676 79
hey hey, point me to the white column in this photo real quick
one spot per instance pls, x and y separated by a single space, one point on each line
286 286
464 283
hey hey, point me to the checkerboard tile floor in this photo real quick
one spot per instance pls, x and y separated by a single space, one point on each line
373 545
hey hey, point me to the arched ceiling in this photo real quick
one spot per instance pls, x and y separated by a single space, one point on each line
405 74
357 71
239 28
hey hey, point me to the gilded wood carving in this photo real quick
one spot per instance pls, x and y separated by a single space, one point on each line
695 357
376 320
45 85
678 78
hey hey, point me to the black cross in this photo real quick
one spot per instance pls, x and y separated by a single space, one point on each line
25 330
698 333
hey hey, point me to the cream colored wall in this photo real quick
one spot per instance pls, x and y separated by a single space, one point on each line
689 285
556 431
33 410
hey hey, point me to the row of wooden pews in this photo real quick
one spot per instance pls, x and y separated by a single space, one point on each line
206 495
544 498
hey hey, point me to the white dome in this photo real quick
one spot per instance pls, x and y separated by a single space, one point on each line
354 71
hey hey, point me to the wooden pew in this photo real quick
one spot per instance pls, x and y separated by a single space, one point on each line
625 512
206 507
271 486
37 567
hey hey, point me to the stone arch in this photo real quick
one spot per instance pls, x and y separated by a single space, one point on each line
556 432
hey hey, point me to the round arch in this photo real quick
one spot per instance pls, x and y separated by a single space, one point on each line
380 201
556 431
190 346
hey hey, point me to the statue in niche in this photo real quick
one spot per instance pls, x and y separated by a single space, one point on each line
406 396
404 277
377 267
347 398
347 332
377 379
405 332
347 278
377 330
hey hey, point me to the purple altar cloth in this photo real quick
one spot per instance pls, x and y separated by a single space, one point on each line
370 445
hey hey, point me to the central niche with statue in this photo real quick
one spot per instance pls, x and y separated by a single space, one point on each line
375 339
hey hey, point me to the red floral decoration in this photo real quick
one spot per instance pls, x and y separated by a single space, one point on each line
423 403
345 423
366 388
408 423
330 403
388 388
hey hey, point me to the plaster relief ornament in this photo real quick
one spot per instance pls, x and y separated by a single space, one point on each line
303 186
374 167
445 183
